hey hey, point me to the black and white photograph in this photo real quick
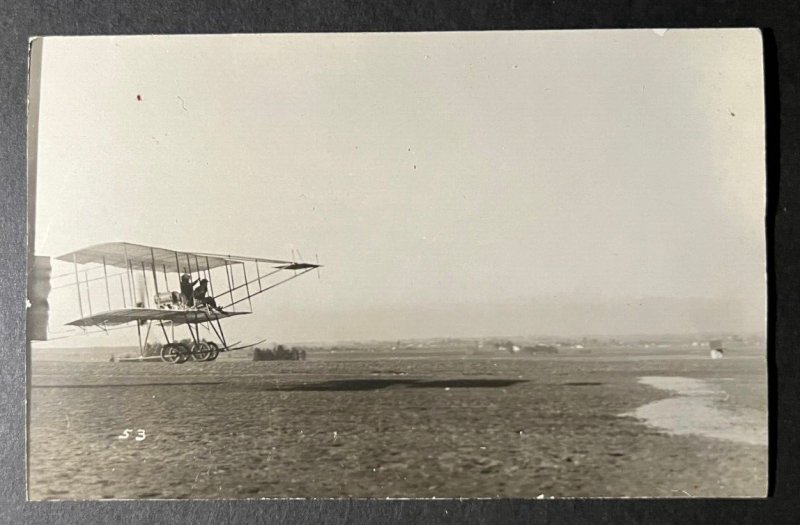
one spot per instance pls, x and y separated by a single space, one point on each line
490 264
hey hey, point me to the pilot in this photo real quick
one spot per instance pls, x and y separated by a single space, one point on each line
187 287
200 298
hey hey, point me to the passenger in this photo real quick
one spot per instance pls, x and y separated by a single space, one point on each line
200 298
187 287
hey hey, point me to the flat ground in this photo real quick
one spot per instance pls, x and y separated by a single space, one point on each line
465 426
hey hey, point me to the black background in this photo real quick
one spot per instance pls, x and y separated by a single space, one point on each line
780 22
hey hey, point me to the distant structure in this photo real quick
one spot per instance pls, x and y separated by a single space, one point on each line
717 350
280 353
540 349
513 348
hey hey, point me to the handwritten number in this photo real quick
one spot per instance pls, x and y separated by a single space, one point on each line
140 434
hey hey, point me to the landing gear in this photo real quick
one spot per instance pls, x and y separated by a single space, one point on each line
174 353
177 353
213 352
201 351
185 355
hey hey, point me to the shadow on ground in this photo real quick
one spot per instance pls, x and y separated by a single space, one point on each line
378 384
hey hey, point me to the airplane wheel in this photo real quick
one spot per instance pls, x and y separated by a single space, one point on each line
213 351
185 353
172 353
201 351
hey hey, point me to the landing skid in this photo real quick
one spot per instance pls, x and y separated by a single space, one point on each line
150 359
246 346
231 347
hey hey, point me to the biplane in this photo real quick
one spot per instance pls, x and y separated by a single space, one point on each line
156 289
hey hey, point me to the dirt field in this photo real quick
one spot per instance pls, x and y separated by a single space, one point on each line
440 427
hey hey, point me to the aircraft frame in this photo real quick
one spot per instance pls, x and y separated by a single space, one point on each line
169 308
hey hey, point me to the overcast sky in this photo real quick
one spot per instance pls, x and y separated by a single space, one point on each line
451 184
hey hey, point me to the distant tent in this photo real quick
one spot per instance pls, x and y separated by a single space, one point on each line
717 350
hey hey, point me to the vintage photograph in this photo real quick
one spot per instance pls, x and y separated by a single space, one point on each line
524 264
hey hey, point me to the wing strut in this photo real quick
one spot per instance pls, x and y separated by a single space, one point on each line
122 287
88 292
77 284
230 285
153 267
105 274
247 288
208 276
295 276
129 272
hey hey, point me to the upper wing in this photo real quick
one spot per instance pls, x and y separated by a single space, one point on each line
128 315
136 256
235 279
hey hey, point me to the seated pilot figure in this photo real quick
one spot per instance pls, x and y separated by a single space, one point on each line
200 298
186 289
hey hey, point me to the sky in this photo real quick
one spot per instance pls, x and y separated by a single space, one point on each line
452 184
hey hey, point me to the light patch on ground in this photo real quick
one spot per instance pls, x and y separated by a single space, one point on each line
696 410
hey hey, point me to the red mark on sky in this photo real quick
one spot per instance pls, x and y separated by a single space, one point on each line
139 98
